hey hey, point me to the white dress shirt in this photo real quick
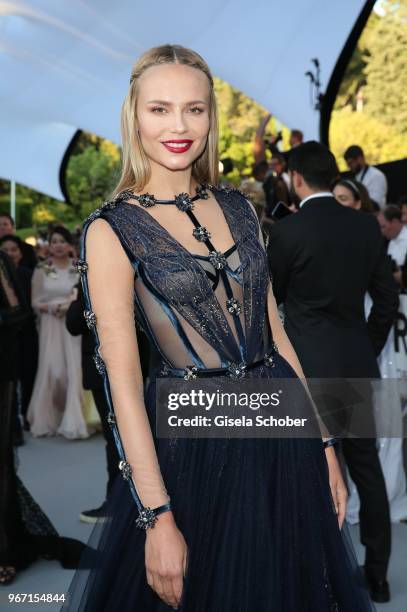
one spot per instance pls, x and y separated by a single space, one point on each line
397 248
321 194
375 182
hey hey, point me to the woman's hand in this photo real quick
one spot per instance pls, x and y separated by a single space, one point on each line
44 308
61 310
166 558
338 488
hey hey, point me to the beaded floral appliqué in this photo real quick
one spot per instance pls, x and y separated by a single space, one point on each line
190 372
90 318
183 202
146 200
108 205
201 233
125 469
202 192
236 371
146 518
99 363
111 419
81 266
269 356
217 259
234 306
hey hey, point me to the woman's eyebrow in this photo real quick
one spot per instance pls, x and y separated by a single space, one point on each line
166 103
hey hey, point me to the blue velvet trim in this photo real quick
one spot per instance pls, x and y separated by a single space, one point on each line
116 435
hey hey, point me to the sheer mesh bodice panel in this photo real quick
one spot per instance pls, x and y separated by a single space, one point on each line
178 334
197 307
208 303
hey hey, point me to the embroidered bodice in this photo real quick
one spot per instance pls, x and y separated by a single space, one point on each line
198 304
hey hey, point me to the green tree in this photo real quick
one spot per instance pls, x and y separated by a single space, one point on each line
239 118
380 142
92 175
386 70
371 108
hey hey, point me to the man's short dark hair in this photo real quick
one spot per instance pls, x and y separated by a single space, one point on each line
353 152
392 212
260 168
316 164
402 201
9 217
297 134
280 157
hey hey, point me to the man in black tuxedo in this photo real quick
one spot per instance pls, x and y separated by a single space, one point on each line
323 259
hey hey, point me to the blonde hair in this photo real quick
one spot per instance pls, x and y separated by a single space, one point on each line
136 170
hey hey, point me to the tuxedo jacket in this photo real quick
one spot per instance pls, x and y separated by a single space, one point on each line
323 260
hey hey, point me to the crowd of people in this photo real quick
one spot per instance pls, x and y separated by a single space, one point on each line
50 350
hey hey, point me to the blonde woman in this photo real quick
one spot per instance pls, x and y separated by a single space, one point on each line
206 524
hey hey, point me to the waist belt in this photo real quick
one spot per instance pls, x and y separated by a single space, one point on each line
232 370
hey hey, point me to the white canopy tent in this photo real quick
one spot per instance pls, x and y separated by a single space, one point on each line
65 64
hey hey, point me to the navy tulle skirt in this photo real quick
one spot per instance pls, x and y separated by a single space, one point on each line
260 526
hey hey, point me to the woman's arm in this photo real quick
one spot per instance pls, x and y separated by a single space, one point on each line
37 283
259 148
111 292
285 348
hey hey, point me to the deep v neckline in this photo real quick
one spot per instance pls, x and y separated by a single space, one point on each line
194 256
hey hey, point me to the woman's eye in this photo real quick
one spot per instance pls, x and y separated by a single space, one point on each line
196 110
158 110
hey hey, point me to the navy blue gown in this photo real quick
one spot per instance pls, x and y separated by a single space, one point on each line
257 514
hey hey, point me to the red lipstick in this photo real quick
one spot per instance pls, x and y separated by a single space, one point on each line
177 146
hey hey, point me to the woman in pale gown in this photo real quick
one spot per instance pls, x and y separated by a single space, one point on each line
56 403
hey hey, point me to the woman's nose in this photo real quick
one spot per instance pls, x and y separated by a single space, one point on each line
179 123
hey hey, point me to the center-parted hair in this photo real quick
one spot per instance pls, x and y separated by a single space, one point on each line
316 164
358 191
62 231
136 170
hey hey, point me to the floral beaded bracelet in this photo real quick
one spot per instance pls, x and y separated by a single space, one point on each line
148 516
330 442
